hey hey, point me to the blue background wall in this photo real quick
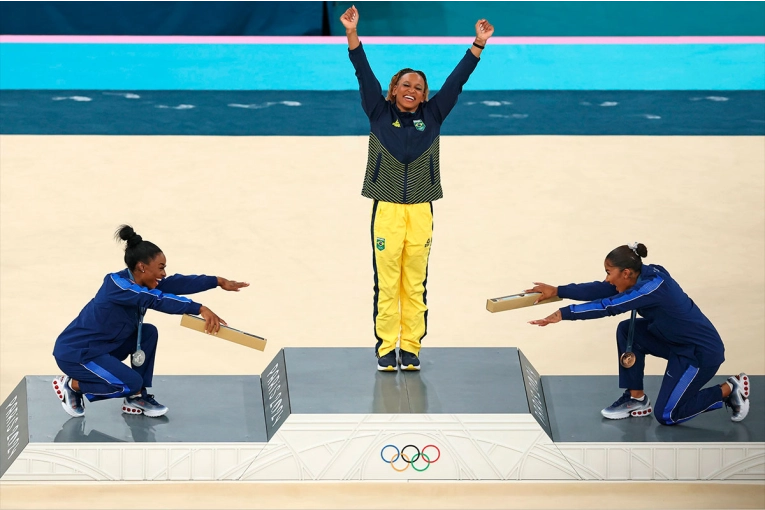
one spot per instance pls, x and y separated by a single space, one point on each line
383 18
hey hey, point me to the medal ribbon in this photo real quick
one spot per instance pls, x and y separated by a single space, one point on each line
141 312
631 332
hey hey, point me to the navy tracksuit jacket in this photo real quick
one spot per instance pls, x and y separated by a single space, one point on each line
403 163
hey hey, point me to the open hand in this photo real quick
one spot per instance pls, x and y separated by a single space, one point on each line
483 30
231 284
350 18
550 319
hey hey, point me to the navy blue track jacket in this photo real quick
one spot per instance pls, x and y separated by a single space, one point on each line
673 316
111 317
403 162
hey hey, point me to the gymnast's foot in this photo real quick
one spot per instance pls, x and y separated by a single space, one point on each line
627 406
71 400
408 360
738 400
143 403
387 363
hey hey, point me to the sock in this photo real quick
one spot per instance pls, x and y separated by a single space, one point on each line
729 385
639 399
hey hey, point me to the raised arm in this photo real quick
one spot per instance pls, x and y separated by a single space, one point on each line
372 100
483 30
446 98
350 20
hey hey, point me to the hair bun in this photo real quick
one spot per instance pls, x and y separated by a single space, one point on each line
134 240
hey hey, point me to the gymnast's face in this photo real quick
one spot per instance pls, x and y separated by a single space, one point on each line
149 275
622 279
409 92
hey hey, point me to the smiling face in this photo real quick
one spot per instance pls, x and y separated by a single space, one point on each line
149 275
409 92
622 279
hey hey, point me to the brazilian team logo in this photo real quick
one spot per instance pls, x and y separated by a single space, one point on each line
419 125
380 244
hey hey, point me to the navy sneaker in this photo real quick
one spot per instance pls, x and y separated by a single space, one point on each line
627 406
738 400
408 361
71 400
143 403
387 363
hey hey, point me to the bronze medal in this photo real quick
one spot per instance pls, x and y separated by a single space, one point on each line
627 359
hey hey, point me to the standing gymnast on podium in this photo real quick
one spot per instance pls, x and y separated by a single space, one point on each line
403 179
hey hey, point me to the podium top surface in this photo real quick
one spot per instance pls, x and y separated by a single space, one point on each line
201 409
574 404
452 380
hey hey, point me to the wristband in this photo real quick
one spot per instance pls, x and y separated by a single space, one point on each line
478 45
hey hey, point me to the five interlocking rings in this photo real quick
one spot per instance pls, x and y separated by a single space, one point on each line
407 460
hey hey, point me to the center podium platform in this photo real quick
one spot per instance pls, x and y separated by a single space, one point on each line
328 414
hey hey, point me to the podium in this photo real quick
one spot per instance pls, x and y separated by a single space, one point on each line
327 414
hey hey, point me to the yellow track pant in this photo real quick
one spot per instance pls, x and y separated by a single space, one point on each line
401 238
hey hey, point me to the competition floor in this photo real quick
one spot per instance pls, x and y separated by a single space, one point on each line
285 214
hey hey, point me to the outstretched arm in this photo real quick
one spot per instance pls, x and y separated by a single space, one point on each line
182 285
645 294
446 98
372 100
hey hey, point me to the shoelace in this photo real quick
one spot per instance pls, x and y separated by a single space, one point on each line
150 399
624 398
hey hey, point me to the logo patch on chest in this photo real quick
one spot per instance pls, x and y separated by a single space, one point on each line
397 123
419 125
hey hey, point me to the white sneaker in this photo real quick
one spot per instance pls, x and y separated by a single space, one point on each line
627 406
143 404
738 400
71 400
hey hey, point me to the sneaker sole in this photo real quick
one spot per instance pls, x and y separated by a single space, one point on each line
127 409
632 414
60 394
386 369
743 410
410 368
743 380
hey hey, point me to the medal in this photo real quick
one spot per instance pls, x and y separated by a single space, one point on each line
627 359
139 357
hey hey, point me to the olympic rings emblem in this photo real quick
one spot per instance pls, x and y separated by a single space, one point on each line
410 461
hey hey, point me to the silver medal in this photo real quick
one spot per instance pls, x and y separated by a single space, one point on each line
138 358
